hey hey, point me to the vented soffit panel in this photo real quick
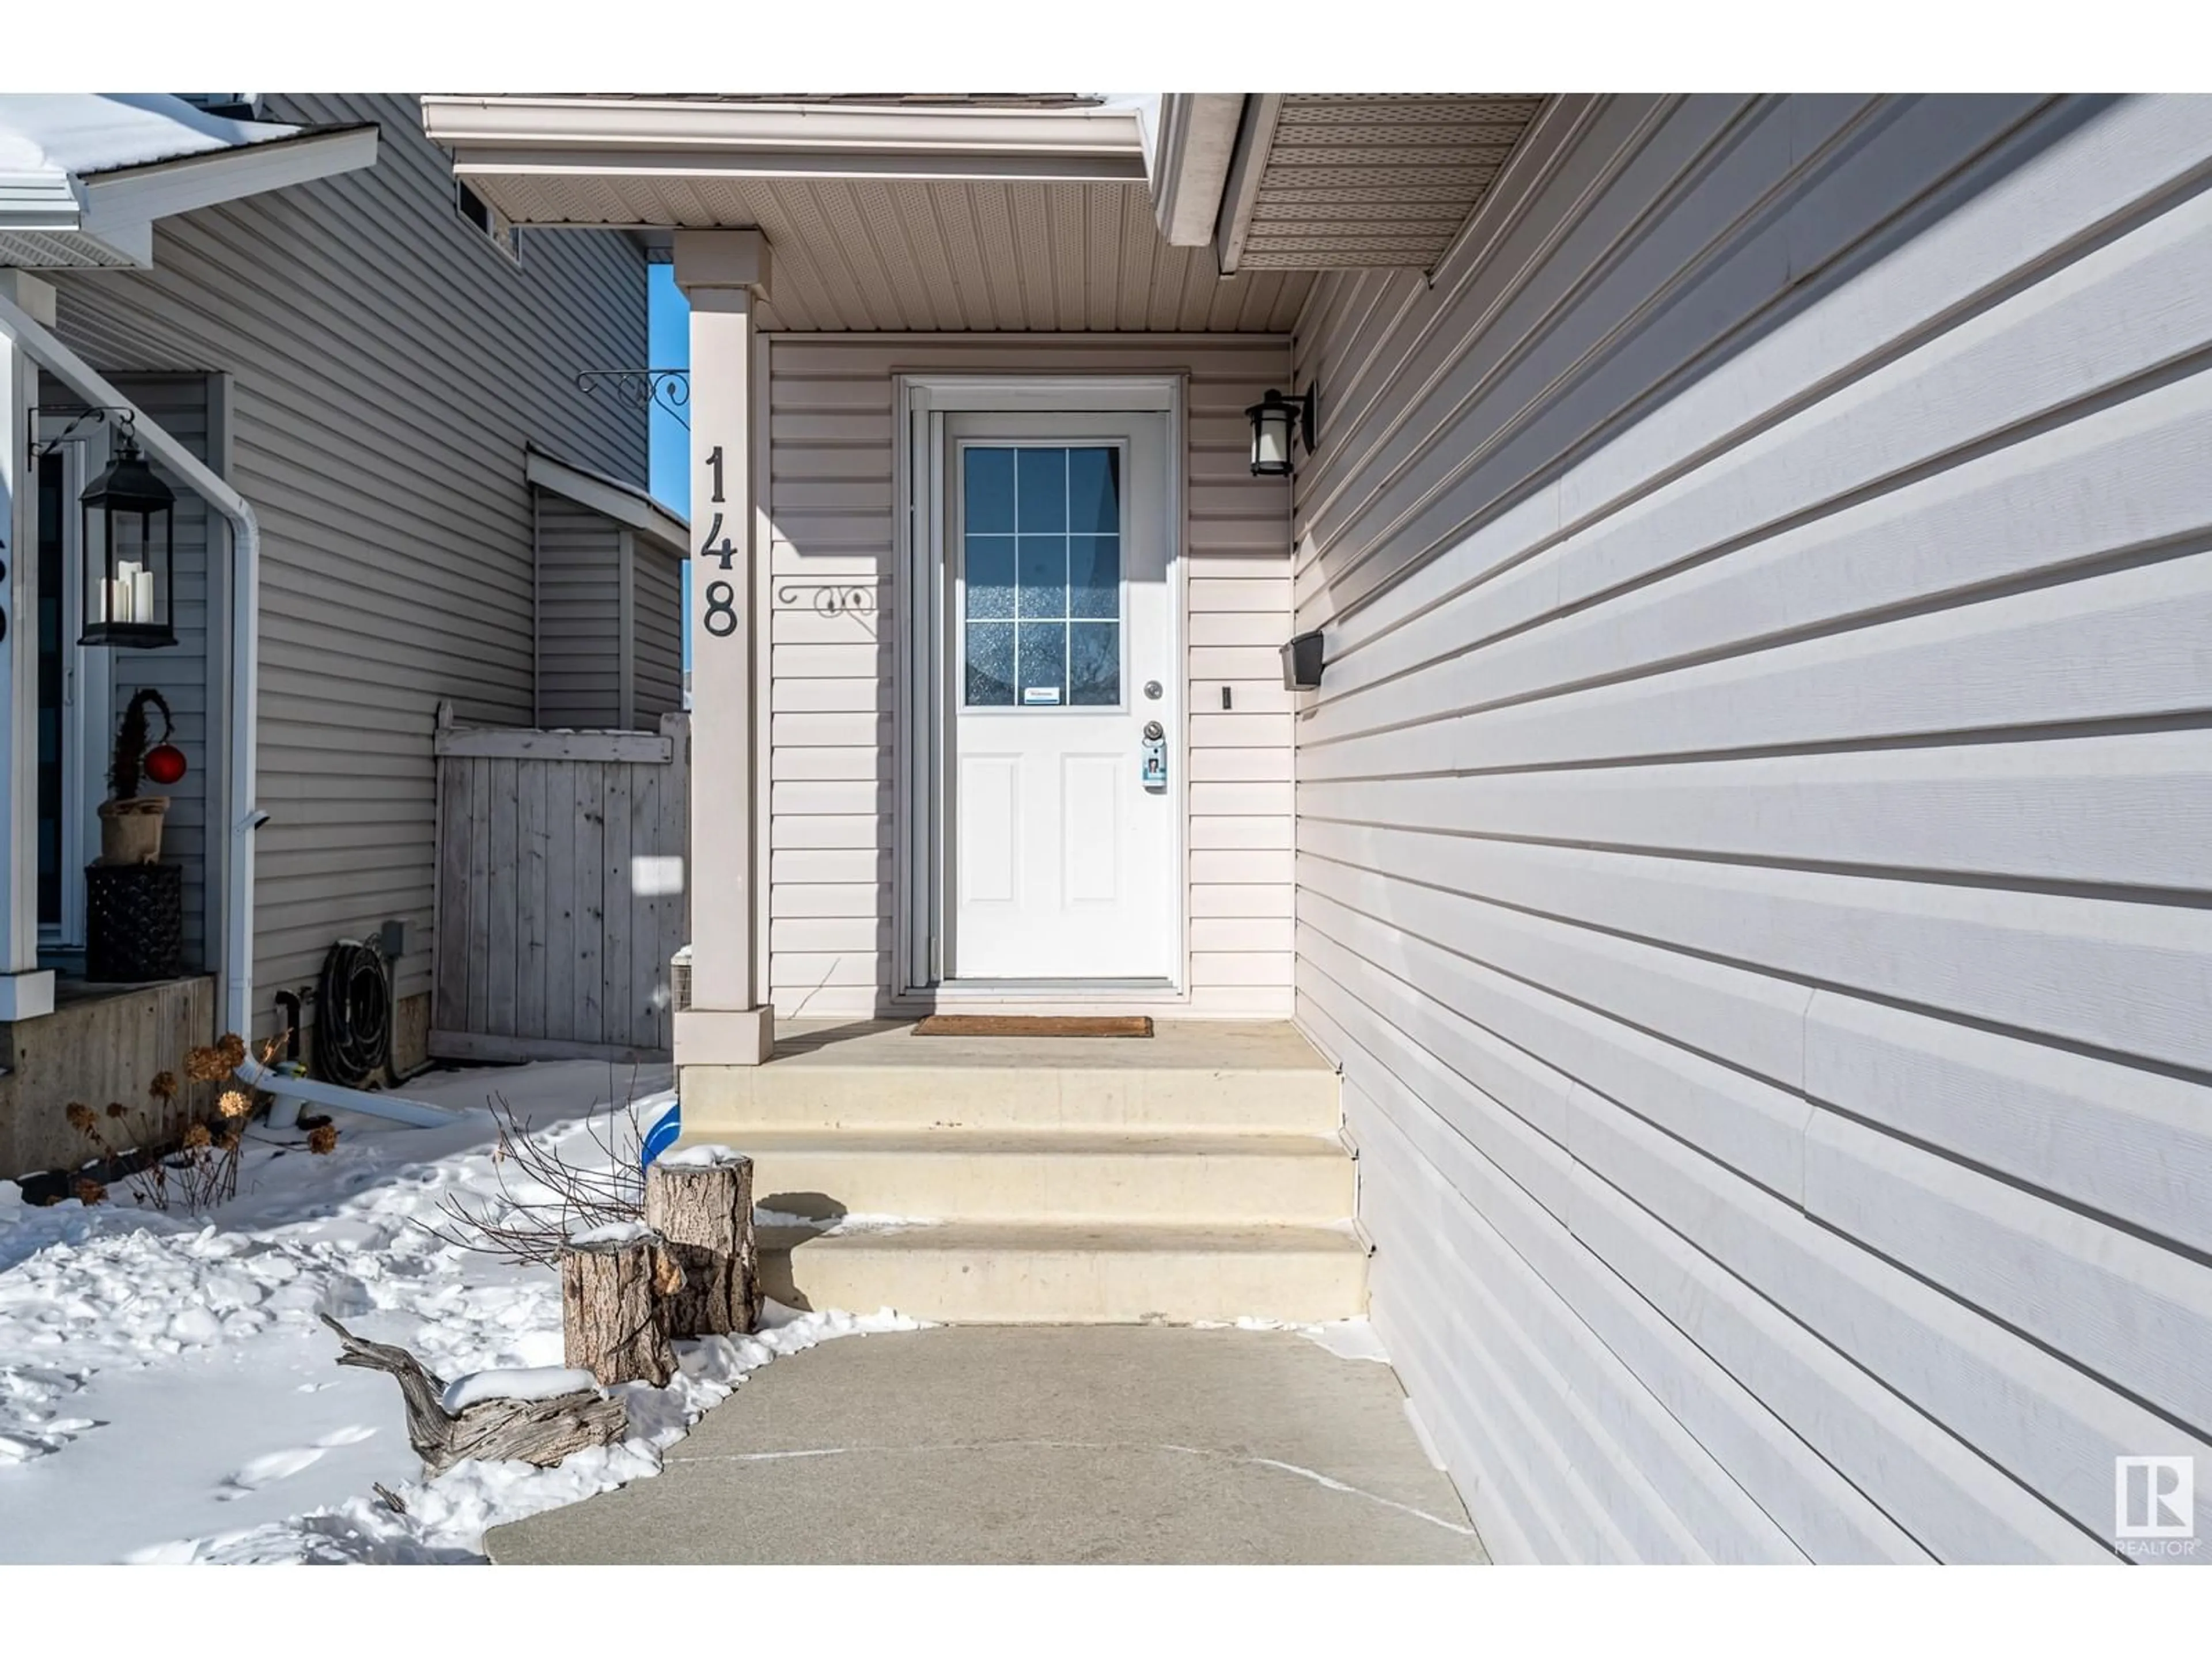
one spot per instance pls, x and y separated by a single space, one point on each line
1327 182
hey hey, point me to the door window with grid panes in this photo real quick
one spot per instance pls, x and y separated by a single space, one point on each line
1040 624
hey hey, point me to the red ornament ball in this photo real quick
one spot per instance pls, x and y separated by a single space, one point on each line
164 764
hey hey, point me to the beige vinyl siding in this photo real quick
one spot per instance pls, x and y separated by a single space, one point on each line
833 765
578 615
1751 841
389 363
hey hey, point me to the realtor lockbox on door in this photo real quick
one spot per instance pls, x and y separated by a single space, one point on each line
1155 756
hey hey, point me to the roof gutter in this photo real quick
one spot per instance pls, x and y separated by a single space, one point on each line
115 208
521 134
1255 142
137 194
242 815
1190 165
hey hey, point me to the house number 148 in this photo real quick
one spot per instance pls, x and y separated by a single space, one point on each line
721 616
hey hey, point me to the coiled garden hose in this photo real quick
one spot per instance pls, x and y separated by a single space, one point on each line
353 1014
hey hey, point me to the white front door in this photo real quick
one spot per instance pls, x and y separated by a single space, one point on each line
1060 669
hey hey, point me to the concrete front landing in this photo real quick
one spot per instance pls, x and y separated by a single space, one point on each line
1015 1445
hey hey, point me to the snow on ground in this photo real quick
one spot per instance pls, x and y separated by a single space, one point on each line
1347 1338
167 1392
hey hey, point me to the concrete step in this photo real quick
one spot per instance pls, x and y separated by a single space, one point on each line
1051 1174
1194 1077
999 1274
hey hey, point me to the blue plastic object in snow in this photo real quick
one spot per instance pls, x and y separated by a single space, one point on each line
666 1129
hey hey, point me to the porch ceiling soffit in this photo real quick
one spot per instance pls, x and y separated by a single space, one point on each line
974 255
1323 181
931 220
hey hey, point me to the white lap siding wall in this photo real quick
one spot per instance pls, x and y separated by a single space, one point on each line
833 766
1751 840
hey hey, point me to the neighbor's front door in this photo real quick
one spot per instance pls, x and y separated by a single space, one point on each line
1063 699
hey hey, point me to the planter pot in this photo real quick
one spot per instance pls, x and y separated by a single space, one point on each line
134 922
131 830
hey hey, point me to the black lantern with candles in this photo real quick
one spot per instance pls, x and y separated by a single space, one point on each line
128 551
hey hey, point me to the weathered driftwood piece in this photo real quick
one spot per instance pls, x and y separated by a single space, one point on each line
615 1284
538 1431
700 1203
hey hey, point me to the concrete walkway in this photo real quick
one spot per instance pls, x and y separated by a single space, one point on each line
1030 1443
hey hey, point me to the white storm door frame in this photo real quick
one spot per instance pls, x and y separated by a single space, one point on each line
921 853
83 449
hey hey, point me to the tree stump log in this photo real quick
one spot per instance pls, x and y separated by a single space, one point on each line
615 1286
700 1200
537 1431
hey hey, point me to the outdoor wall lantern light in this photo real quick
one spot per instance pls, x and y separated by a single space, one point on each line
1272 417
129 549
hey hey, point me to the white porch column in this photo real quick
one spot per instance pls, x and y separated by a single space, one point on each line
723 273
26 992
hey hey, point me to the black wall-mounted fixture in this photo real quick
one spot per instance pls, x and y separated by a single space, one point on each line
129 545
1302 663
1273 419
129 555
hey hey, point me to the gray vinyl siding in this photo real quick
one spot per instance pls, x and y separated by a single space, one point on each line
389 364
179 404
579 615
1752 835
657 575
581 572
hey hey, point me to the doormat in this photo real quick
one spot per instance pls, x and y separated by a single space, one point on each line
1036 1025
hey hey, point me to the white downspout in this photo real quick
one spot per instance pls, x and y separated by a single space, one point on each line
243 816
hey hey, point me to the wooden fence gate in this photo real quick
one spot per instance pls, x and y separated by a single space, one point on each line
563 860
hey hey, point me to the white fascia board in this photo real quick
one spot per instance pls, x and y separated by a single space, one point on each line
1255 142
1190 164
647 136
131 198
472 161
626 504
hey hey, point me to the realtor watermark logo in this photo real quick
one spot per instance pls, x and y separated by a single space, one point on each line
2154 1505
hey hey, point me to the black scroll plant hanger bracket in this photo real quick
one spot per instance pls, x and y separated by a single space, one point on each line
41 447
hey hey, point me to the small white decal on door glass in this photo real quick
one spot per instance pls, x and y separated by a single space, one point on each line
1040 694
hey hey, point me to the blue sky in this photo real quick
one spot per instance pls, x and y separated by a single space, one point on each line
670 347
668 336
